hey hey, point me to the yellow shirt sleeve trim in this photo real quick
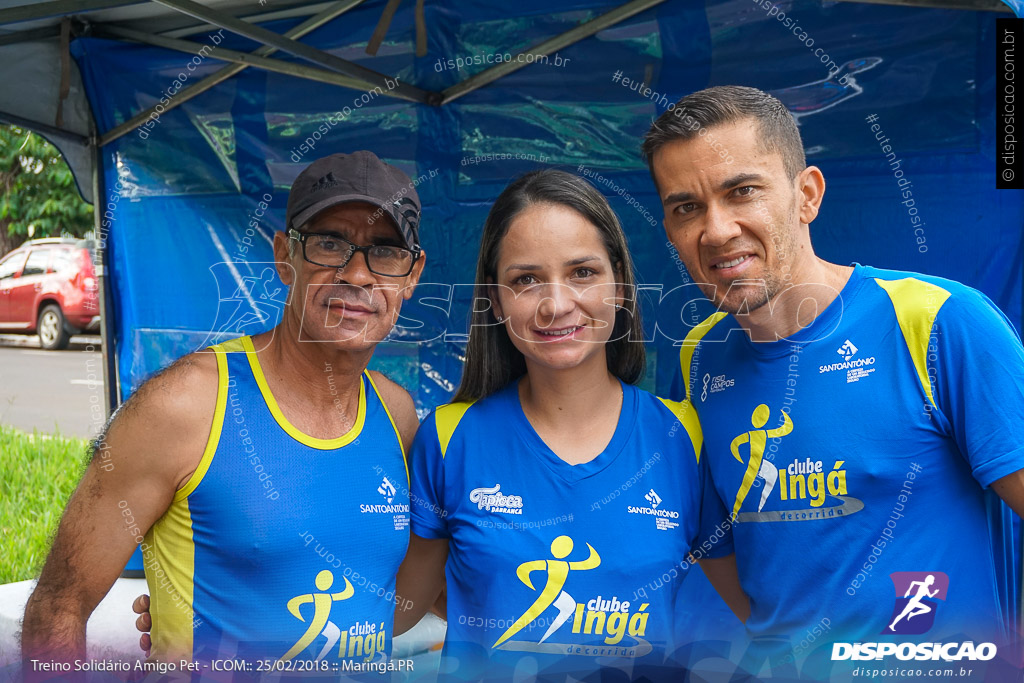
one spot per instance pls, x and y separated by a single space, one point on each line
169 550
447 418
405 458
218 422
687 416
292 430
690 345
917 304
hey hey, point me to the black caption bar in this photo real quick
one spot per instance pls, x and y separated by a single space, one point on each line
1009 125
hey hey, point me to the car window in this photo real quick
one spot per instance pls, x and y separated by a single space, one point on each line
36 264
11 265
63 260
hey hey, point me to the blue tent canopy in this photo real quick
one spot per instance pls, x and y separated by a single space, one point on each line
191 259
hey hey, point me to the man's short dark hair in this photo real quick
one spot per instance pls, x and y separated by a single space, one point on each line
724 104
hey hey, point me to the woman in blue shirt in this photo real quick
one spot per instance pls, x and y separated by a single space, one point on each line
552 489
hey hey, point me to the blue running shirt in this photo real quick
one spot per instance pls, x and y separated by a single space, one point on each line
281 545
548 561
855 456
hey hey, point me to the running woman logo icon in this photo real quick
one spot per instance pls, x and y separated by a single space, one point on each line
557 570
319 620
917 596
757 467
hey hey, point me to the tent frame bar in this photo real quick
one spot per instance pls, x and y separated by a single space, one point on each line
224 54
214 79
58 8
305 10
108 336
301 50
970 5
44 128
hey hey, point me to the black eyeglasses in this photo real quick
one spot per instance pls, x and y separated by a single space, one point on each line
332 251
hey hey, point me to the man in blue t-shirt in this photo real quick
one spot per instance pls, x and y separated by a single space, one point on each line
854 418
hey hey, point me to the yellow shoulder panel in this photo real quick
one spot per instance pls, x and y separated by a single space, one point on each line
687 416
447 418
690 345
916 303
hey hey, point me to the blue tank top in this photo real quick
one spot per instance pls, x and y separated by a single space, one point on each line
281 545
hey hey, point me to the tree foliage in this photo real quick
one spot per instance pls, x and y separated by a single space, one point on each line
37 190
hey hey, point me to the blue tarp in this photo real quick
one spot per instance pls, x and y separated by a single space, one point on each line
183 195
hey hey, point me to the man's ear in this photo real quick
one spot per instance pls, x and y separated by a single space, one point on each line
811 186
282 259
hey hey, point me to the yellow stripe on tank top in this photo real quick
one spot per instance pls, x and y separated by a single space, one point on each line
168 550
405 458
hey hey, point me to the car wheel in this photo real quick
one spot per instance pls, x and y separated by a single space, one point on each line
52 330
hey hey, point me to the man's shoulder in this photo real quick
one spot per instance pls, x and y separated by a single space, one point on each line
185 391
399 404
394 395
166 423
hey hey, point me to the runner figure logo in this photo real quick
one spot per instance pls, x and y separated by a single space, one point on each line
917 596
557 571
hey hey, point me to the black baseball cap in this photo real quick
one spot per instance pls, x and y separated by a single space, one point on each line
357 177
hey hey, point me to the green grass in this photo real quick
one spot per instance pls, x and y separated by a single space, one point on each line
38 472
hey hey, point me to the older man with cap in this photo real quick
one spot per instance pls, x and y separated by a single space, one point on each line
308 574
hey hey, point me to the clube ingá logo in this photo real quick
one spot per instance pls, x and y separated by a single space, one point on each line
917 599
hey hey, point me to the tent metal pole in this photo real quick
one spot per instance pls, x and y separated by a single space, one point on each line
971 5
44 128
224 54
305 10
58 8
227 72
307 52
107 332
559 42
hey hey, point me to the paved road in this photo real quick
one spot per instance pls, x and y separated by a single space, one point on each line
51 390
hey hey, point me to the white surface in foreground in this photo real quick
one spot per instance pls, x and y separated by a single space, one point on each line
111 630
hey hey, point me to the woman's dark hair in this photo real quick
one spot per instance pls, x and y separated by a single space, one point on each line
492 361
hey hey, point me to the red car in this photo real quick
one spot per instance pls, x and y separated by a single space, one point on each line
49 287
